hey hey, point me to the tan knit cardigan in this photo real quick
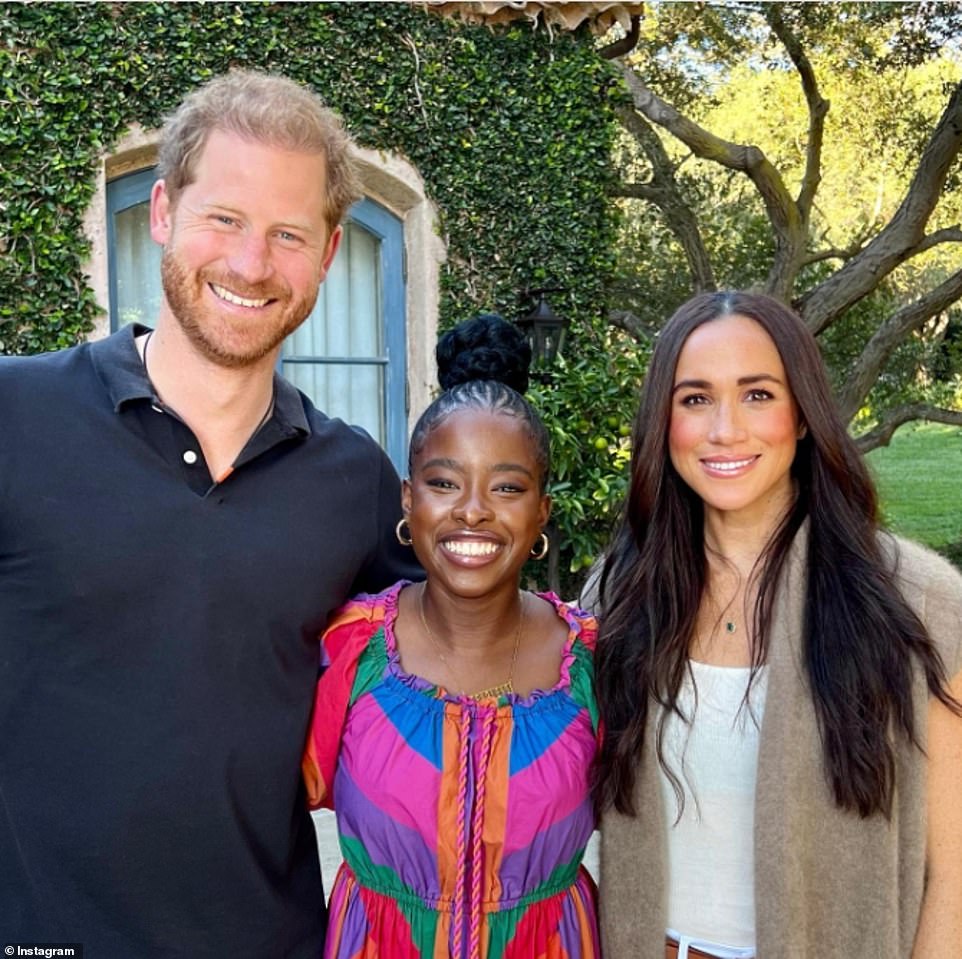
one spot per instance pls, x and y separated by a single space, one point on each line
828 885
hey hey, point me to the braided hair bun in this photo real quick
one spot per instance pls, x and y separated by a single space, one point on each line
483 364
484 348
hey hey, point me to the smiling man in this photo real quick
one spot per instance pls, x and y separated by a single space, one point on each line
176 523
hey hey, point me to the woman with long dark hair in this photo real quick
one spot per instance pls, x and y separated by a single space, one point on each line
779 680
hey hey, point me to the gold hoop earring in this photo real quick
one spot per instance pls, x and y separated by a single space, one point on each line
543 551
404 541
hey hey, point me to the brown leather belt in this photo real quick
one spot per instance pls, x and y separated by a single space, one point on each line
671 951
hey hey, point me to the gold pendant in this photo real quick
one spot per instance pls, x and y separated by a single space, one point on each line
494 692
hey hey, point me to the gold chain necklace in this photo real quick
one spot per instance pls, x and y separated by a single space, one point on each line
492 692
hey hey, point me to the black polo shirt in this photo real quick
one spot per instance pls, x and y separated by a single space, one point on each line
158 652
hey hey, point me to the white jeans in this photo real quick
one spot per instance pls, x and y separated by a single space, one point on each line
706 945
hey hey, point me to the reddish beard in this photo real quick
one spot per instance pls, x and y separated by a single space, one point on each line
215 337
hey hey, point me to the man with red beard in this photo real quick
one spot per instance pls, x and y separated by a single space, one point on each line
176 523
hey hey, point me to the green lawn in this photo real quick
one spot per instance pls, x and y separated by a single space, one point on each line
919 478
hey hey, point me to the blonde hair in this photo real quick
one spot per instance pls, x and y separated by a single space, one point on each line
265 108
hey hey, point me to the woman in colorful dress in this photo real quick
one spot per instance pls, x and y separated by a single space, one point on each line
454 723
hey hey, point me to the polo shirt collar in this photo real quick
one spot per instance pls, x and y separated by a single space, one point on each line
120 368
122 371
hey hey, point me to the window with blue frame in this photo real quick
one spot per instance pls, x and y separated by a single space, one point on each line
348 356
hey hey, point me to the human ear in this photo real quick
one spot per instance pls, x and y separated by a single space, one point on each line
331 251
161 213
544 511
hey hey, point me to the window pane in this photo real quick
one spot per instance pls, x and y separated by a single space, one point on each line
137 260
346 323
355 394
346 320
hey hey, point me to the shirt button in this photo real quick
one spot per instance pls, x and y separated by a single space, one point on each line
190 457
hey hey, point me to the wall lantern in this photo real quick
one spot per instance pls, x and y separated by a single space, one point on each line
543 327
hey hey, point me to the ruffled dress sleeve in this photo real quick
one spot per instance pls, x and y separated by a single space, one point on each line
579 663
342 646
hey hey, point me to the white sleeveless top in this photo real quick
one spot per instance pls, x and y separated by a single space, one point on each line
714 756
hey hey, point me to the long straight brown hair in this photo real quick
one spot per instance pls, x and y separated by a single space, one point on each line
861 639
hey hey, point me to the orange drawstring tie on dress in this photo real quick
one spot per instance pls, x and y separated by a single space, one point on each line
477 830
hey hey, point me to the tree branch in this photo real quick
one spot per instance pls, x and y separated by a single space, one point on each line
626 44
951 234
701 141
639 191
834 253
632 324
882 434
782 211
901 236
662 190
817 109
888 336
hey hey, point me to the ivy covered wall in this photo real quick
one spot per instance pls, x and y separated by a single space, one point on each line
510 130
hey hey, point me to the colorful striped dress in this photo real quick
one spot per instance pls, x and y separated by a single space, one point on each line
462 823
